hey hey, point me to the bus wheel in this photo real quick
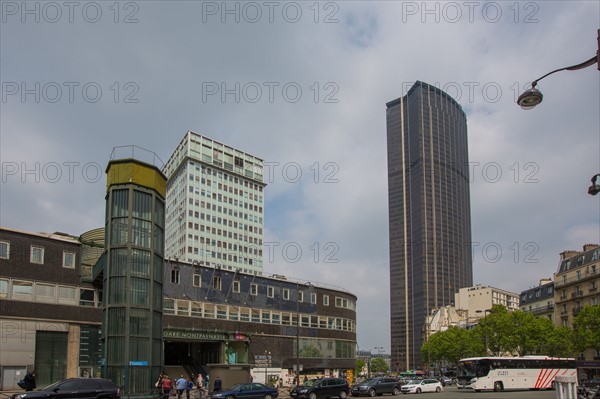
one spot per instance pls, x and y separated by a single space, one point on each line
498 387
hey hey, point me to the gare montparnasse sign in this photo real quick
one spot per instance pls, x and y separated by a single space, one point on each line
198 335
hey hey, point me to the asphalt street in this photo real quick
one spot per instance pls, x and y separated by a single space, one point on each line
455 393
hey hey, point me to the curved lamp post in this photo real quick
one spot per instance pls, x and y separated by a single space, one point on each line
532 97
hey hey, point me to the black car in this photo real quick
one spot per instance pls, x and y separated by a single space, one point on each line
321 388
251 390
80 388
377 386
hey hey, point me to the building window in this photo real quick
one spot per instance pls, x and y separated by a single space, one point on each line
69 259
300 296
3 289
236 286
313 298
216 283
67 295
253 289
4 250
270 292
326 300
175 276
86 297
286 294
45 293
22 290
37 255
197 280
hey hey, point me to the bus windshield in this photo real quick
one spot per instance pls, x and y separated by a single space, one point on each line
470 369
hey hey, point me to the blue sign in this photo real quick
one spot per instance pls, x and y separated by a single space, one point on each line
138 362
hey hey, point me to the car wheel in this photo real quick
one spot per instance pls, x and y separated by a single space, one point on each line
268 396
372 392
395 392
312 395
343 395
438 389
418 390
498 387
229 397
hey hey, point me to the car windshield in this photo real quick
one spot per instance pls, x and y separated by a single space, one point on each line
371 381
235 387
414 382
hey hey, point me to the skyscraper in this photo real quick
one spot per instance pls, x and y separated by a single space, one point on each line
214 205
429 213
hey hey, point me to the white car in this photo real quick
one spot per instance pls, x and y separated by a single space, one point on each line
418 386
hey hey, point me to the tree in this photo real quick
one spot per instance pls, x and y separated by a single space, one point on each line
378 365
587 328
451 345
360 364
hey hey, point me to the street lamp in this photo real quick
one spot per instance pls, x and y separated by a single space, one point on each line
308 285
595 187
532 97
267 364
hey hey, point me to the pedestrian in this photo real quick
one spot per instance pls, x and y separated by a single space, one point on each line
218 384
158 384
188 387
180 385
29 381
167 386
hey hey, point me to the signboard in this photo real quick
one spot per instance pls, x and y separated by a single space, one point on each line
196 335
138 363
262 360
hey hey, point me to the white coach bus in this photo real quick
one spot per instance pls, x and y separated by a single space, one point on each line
500 373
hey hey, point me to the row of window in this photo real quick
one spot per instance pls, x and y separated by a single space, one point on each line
216 284
225 188
36 255
22 290
181 307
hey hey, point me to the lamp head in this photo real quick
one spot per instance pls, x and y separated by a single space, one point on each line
530 98
595 187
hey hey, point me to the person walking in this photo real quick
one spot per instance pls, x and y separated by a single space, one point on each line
180 385
167 386
218 384
30 381
188 387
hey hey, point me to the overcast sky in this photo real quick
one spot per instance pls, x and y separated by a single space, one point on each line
303 85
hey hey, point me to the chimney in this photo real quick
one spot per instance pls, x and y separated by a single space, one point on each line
589 247
545 281
569 253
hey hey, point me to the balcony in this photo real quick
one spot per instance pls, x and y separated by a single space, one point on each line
576 310
577 294
542 310
594 289
559 282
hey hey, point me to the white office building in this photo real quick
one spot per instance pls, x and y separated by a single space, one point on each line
214 205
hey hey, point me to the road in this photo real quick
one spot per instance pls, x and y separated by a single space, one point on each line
455 393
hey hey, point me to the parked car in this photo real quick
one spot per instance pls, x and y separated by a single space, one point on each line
418 386
377 386
252 390
80 388
446 381
321 388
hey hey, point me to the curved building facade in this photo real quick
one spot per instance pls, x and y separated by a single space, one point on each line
429 213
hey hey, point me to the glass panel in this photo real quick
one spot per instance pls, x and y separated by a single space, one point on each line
139 291
141 233
118 316
142 205
120 203
140 262
139 322
118 290
3 289
118 262
159 213
119 231
86 297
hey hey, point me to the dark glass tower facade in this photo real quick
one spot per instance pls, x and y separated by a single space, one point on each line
429 213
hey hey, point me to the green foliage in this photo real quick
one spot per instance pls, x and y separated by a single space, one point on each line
587 328
378 365
359 366
502 332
